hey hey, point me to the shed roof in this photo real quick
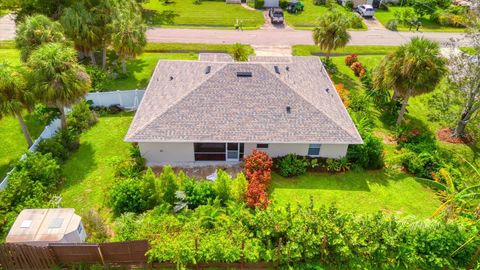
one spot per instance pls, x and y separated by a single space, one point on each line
47 225
215 100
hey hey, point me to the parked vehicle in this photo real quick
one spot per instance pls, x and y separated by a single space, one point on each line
365 10
295 7
276 15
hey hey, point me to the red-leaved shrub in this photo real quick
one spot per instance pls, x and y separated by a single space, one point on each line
258 171
343 93
358 69
350 59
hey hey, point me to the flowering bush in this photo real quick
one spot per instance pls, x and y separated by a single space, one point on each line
358 69
258 171
350 59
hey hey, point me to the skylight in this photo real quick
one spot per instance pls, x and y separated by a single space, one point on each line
55 223
26 224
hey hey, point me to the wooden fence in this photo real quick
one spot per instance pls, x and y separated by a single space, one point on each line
13 256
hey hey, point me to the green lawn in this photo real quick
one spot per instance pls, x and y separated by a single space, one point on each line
308 17
140 70
307 50
218 14
4 12
88 172
10 56
13 142
362 192
427 24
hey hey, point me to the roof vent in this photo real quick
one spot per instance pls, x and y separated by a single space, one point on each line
327 90
244 74
171 78
287 68
289 110
277 70
208 69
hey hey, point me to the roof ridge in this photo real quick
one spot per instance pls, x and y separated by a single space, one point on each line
180 98
308 101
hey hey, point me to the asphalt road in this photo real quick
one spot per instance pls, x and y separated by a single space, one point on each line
267 36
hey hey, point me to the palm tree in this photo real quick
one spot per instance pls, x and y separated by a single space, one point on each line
128 36
58 79
35 31
14 97
331 32
413 69
80 25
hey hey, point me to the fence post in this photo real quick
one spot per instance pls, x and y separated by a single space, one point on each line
135 100
120 98
101 254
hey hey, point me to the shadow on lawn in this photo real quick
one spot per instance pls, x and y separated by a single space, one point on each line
79 165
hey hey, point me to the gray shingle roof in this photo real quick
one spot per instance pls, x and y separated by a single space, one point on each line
184 103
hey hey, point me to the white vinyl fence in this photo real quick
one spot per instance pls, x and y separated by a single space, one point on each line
129 99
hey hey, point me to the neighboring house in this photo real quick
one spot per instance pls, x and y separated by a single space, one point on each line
39 227
216 109
267 3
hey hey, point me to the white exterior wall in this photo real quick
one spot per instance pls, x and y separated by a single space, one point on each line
157 153
282 149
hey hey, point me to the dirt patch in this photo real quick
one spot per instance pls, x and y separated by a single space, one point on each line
446 135
387 139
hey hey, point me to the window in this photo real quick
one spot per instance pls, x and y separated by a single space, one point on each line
262 145
314 149
80 229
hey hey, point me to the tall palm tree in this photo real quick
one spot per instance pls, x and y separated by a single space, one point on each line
331 32
413 69
15 97
35 31
128 35
58 79
80 25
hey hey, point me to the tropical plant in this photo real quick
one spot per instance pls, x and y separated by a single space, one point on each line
413 69
239 188
81 117
35 31
131 195
15 97
350 59
291 165
222 186
331 32
358 69
58 79
128 38
166 185
258 171
240 52
199 193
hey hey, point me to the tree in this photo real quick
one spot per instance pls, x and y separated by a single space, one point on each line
166 185
413 69
58 79
222 186
81 26
34 32
15 97
464 76
331 32
128 38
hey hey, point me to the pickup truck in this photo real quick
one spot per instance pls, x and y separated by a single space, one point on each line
276 15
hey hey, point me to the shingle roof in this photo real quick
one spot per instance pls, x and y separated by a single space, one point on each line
205 101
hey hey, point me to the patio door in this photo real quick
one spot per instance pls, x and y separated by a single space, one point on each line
233 152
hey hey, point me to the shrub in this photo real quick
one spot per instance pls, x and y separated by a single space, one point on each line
166 185
449 19
423 164
366 80
350 59
240 53
222 186
360 102
239 188
258 171
130 195
45 114
358 69
69 139
98 77
319 2
330 66
291 165
356 21
81 117
54 147
40 168
95 226
338 165
259 4
199 193
343 93
368 155
392 25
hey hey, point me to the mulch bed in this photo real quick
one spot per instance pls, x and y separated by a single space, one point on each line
445 134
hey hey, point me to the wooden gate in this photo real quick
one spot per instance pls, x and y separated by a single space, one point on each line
14 256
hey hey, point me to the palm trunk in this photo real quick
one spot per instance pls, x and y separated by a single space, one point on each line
63 117
92 58
25 131
124 66
403 109
104 58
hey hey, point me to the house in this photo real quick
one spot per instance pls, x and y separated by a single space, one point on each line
39 227
216 109
266 3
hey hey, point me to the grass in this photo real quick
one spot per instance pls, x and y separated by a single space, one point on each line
307 18
10 56
4 12
361 192
140 70
88 172
216 14
427 24
307 50
13 144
